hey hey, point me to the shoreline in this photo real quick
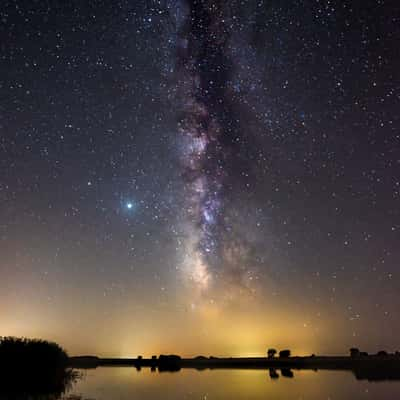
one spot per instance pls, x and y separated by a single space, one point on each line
295 362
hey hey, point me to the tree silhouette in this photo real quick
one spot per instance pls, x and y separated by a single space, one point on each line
284 353
271 353
354 352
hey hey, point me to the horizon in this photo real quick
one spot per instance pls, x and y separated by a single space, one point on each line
252 355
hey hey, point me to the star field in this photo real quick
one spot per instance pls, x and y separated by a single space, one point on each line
226 173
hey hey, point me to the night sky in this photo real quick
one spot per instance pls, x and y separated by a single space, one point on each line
198 176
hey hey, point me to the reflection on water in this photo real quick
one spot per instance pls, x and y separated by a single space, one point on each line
37 384
127 384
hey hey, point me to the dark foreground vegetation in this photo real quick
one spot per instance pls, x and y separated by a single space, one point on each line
32 368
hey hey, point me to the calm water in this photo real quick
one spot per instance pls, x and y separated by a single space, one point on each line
128 384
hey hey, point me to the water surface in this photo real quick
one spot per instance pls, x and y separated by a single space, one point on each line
125 383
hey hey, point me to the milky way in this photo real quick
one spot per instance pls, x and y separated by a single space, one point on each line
202 71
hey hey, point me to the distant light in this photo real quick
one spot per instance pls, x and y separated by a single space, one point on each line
129 206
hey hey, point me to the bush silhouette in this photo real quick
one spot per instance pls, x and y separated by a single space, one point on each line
284 353
382 353
31 352
32 366
169 362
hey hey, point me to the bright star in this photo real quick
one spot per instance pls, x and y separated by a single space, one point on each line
129 205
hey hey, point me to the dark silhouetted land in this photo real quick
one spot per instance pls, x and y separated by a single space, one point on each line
371 367
34 367
39 367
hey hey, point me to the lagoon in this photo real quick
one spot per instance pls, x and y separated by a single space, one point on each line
126 383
